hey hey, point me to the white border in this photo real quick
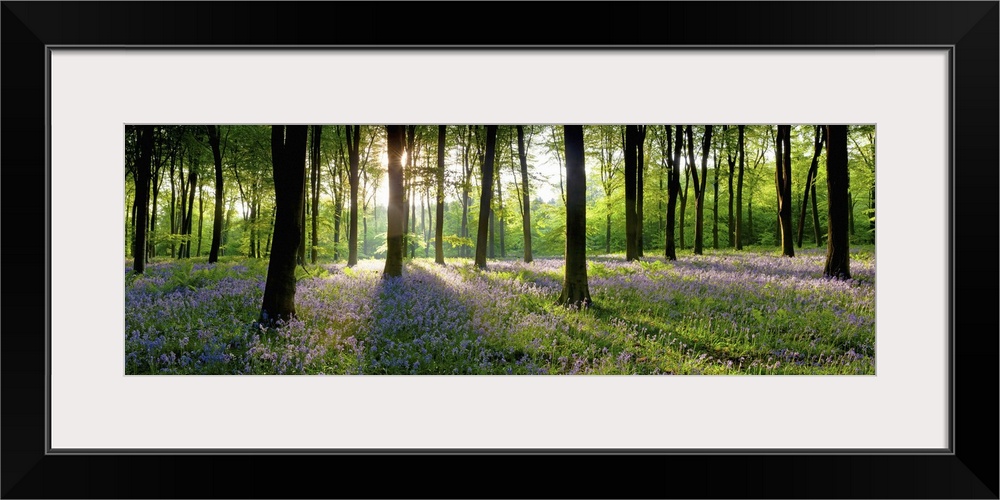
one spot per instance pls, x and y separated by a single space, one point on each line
95 92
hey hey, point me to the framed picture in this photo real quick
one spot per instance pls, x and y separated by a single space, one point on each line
924 73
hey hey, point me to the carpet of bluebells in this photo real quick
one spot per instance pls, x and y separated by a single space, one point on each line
727 312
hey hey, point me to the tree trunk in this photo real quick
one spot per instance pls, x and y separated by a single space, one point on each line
783 181
491 251
201 218
213 139
288 158
353 152
300 252
500 217
731 227
631 145
439 215
194 184
145 143
819 241
576 291
811 186
395 140
739 186
699 185
851 198
173 204
270 234
522 156
316 138
639 184
673 187
838 256
486 198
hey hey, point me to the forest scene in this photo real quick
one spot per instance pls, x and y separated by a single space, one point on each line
499 249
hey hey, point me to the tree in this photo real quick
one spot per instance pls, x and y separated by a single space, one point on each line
631 147
576 291
288 158
639 183
486 197
214 142
838 264
673 159
811 186
522 155
783 183
699 185
395 142
354 157
145 143
439 215
314 192
741 153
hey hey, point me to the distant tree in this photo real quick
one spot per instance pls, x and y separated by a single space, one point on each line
439 219
395 141
783 183
838 256
486 197
214 142
143 158
575 288
288 158
811 187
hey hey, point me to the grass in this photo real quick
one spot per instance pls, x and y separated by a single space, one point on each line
726 312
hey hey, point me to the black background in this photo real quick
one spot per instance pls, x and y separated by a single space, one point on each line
971 472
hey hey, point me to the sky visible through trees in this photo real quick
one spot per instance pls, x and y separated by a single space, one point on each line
603 249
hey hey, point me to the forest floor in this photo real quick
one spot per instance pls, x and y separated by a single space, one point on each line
726 312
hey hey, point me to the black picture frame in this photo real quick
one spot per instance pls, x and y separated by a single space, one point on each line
968 470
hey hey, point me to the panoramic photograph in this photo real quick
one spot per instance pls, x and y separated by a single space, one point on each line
466 249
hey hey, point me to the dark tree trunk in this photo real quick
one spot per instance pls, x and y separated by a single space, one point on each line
631 145
500 217
316 138
811 186
783 181
409 217
413 221
300 252
639 184
741 152
173 204
252 219
288 158
354 155
213 140
395 140
576 291
522 156
851 198
731 228
194 183
270 234
486 198
838 255
491 251
699 185
819 241
439 212
145 143
466 180
673 186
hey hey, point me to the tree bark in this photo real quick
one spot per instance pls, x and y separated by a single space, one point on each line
145 143
486 198
288 158
395 140
213 140
576 291
715 201
783 182
201 219
439 212
699 185
838 255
